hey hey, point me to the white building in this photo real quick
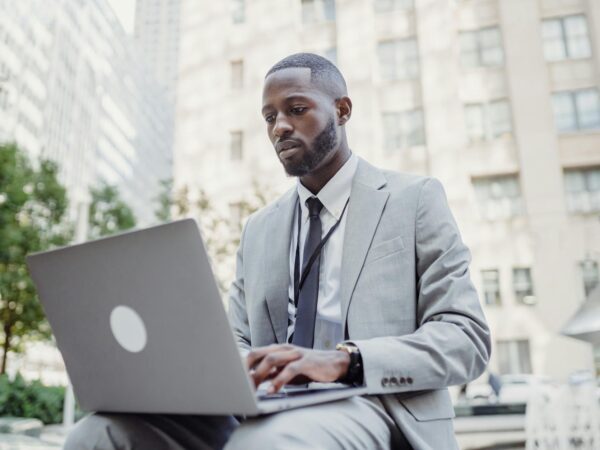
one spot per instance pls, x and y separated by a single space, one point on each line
157 33
498 99
74 89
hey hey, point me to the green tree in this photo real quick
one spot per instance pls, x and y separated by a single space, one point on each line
165 201
108 212
33 206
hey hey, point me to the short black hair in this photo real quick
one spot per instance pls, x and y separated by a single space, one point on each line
322 72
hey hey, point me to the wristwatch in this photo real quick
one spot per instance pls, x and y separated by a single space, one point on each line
355 375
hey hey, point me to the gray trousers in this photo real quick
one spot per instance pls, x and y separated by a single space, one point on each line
354 423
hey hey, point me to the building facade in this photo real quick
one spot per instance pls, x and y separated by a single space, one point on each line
499 99
157 33
74 89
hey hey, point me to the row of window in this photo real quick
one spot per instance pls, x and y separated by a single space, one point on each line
523 285
562 37
321 10
576 110
499 197
521 282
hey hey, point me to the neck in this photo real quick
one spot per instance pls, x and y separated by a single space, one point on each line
315 180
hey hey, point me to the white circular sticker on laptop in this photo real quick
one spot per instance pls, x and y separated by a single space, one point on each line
128 329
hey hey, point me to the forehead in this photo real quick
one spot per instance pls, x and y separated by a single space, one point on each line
293 81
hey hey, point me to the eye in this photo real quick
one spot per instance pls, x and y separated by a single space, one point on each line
269 118
298 109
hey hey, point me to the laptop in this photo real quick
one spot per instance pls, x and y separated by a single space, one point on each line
142 328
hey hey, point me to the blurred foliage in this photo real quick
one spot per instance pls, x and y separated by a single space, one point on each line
221 230
165 201
31 400
109 214
33 206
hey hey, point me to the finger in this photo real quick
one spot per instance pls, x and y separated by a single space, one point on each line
257 354
273 361
292 370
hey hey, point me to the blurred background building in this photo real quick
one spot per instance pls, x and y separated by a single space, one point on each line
498 99
157 24
74 89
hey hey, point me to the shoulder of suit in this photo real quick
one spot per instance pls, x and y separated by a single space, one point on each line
402 180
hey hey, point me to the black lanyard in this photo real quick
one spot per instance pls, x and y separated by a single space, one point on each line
299 280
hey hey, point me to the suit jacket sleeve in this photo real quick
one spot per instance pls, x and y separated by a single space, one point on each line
451 344
238 315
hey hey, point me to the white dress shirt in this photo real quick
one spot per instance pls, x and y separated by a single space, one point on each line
333 196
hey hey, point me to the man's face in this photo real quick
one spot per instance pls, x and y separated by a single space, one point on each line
301 121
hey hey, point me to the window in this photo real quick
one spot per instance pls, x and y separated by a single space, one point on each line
398 59
523 286
582 189
238 11
498 197
481 48
315 11
589 275
403 129
236 145
486 122
514 357
391 5
237 74
491 286
576 110
566 38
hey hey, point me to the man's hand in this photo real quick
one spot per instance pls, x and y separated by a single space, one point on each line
286 363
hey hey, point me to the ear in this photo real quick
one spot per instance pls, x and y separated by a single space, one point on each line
344 109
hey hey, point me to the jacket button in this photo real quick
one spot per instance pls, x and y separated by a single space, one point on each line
384 382
409 380
393 381
402 380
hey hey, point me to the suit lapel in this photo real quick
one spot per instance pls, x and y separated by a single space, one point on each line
364 211
276 262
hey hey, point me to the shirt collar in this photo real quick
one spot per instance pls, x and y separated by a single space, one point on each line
335 193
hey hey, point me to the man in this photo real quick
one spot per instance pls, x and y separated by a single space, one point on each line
367 259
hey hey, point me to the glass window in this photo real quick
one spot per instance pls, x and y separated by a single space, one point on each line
237 74
398 59
488 121
491 286
403 129
587 104
523 286
500 122
576 110
514 357
475 122
566 38
315 11
565 117
498 197
236 145
238 13
553 40
481 48
391 5
582 189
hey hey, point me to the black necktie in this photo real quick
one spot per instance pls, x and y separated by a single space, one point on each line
306 313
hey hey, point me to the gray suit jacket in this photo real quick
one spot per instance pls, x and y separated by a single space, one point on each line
407 300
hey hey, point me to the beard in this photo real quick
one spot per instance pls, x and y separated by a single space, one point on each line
323 145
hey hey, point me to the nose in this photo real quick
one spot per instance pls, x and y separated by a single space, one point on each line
282 126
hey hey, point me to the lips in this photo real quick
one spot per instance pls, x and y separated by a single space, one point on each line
287 148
